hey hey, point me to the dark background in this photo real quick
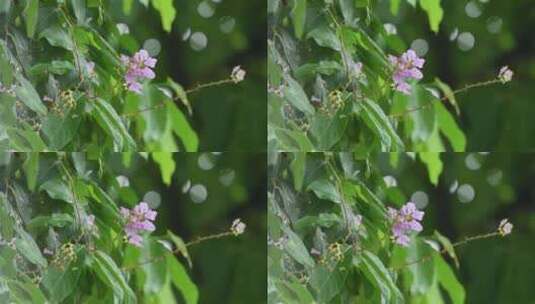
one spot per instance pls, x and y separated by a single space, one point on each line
495 118
496 270
227 270
227 118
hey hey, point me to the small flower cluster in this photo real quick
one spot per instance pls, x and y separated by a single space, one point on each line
404 221
505 227
139 67
505 75
406 67
138 220
238 227
237 74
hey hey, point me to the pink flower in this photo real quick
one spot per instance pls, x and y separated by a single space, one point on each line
404 221
138 220
505 75
139 67
406 67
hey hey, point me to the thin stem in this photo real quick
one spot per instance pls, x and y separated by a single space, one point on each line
444 250
444 98
210 84
177 250
189 91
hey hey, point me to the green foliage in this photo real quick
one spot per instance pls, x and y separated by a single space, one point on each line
52 100
319 98
330 236
51 253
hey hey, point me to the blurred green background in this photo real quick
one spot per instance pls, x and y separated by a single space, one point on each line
475 192
230 117
495 118
208 191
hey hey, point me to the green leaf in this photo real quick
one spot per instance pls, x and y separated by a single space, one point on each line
449 282
6 77
25 140
27 247
294 93
296 248
31 13
180 93
60 130
61 283
434 13
328 130
394 6
58 189
5 6
449 127
31 169
167 165
299 17
377 274
326 282
448 246
180 246
182 128
27 94
42 222
374 117
167 12
109 120
79 10
111 275
155 273
434 165
324 189
450 95
324 36
181 280
310 70
423 273
58 37
298 169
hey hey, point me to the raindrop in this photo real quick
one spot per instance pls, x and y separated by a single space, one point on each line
472 162
420 46
390 29
123 28
152 46
226 24
390 181
153 198
198 41
454 186
205 9
186 186
186 34
494 25
198 193
466 193
466 41
227 177
495 177
472 9
206 161
454 34
123 181
420 199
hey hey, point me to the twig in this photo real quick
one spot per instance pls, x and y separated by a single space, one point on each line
444 250
192 90
444 98
177 250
